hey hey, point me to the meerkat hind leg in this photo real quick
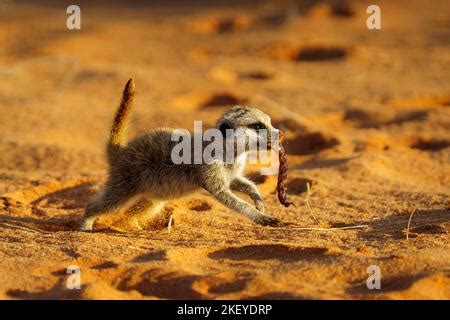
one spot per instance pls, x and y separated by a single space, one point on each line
105 203
144 212
96 208
88 223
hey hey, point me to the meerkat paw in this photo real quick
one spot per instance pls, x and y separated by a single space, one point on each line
265 220
87 224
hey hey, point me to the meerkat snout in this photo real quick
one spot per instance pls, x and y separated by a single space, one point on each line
253 123
142 171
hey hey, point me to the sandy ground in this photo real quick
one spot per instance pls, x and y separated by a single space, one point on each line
366 116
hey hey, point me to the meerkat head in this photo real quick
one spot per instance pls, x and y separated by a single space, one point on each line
248 122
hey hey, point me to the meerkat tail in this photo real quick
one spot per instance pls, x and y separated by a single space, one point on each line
118 130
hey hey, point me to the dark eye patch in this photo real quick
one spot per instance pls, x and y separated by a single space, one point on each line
223 128
258 126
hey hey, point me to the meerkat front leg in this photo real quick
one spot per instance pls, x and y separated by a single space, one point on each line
246 186
223 194
233 202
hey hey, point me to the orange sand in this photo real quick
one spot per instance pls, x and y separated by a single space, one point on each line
366 117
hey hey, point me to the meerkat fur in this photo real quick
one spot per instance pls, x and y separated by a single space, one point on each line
142 176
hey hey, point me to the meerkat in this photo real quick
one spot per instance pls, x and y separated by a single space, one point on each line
142 174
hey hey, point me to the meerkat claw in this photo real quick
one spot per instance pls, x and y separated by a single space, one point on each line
265 220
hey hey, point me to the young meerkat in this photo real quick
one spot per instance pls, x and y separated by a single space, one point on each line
142 174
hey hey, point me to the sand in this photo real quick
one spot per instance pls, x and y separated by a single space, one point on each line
365 113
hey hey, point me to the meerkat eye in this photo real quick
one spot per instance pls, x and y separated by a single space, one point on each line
257 126
223 128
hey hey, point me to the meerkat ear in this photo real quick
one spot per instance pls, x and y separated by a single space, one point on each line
223 126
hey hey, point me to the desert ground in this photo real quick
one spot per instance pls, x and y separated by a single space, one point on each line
366 120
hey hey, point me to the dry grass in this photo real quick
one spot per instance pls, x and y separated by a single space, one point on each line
308 205
169 225
409 223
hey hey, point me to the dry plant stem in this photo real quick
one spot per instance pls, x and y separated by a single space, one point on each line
308 188
361 226
409 222
169 225
24 228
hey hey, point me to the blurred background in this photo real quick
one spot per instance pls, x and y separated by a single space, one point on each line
365 115
327 80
